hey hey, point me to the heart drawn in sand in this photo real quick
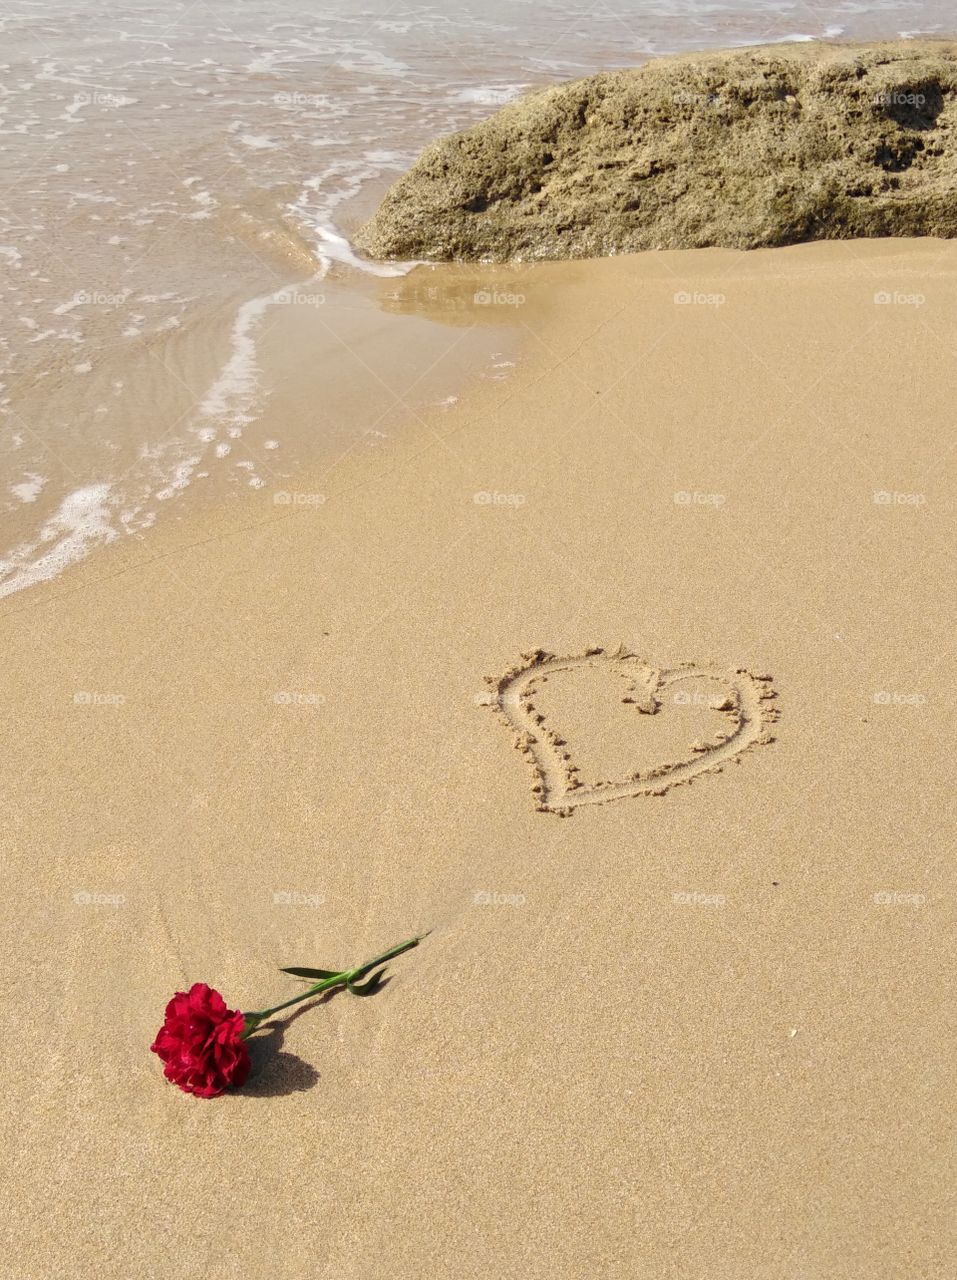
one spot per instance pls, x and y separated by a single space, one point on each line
743 702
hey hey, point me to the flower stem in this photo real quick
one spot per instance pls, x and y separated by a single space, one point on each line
346 978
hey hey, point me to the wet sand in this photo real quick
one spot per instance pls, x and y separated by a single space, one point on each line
703 1033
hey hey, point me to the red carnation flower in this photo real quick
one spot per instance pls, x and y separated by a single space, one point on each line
201 1043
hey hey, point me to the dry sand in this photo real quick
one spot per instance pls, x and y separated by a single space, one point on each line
706 1034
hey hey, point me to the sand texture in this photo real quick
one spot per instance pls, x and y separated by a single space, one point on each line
758 147
685 1031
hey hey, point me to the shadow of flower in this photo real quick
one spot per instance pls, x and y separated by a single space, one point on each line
276 1073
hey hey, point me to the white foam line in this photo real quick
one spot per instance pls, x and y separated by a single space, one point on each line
81 522
332 247
802 37
231 394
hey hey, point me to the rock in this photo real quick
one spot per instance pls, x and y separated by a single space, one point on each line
765 146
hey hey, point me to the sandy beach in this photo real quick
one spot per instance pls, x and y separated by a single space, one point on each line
698 1034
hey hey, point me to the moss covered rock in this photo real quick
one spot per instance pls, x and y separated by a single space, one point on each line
763 146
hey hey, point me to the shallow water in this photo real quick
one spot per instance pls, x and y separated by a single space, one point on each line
167 172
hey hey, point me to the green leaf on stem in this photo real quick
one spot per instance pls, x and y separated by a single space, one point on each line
369 986
318 974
